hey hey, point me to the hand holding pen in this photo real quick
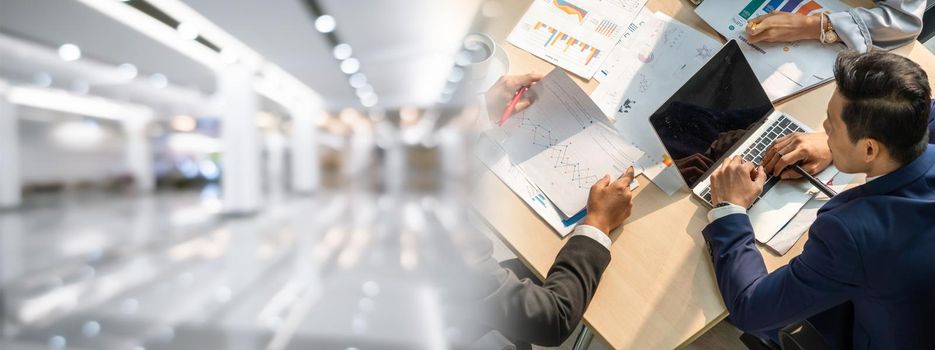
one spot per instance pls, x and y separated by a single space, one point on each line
510 95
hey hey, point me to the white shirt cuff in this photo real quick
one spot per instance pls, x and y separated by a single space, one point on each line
593 233
721 212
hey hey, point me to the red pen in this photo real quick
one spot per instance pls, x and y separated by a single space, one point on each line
509 108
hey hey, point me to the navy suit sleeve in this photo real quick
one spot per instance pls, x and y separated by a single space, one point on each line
825 274
932 124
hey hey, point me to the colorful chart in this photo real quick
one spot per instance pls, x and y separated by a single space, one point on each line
773 5
808 8
571 9
791 5
751 8
607 28
558 37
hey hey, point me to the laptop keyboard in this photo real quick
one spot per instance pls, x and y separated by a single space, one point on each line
781 127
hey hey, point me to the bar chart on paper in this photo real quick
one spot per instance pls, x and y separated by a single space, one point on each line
564 144
792 6
565 47
574 34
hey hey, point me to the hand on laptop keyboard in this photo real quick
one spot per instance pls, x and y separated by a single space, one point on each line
809 148
737 182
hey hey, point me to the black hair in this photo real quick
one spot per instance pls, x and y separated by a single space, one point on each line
887 98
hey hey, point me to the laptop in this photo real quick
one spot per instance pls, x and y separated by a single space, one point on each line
723 111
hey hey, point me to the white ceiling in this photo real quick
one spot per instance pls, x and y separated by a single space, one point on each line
405 46
55 22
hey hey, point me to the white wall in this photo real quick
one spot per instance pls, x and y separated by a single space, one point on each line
45 159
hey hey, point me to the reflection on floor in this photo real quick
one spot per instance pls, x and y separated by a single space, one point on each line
333 271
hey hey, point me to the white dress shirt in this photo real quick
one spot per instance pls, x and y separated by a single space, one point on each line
593 233
891 24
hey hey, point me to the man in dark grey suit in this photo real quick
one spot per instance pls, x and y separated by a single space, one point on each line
512 300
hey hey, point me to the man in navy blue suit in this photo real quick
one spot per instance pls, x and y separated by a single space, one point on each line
866 277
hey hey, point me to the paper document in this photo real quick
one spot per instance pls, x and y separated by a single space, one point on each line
496 159
795 228
642 72
576 35
783 68
564 143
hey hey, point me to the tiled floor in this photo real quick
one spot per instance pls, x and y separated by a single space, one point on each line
110 271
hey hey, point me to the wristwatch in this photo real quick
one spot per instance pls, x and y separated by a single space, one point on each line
722 204
827 35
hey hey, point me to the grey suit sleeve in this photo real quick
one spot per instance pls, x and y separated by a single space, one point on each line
546 315
891 24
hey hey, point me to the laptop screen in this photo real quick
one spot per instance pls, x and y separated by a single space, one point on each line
711 113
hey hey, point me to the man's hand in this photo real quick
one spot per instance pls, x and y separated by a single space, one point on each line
501 93
778 26
609 203
737 182
809 148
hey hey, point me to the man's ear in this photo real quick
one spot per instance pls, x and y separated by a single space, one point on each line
871 149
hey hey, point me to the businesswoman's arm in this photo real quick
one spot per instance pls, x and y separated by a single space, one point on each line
891 24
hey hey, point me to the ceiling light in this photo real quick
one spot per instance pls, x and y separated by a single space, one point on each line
364 91
370 101
325 23
347 115
184 123
357 80
408 114
158 81
62 101
127 71
69 52
350 66
342 51
187 31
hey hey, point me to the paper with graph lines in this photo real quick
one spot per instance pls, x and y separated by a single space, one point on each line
564 143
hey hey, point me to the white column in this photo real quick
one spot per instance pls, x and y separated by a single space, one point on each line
275 163
394 164
360 154
240 137
12 249
10 182
139 155
305 163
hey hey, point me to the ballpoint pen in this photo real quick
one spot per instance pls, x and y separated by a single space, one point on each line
815 181
512 105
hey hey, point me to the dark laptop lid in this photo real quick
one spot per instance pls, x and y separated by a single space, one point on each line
714 111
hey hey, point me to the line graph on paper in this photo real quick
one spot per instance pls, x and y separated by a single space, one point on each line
558 153
564 143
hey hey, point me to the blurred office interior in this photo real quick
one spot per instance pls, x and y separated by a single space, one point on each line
249 174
